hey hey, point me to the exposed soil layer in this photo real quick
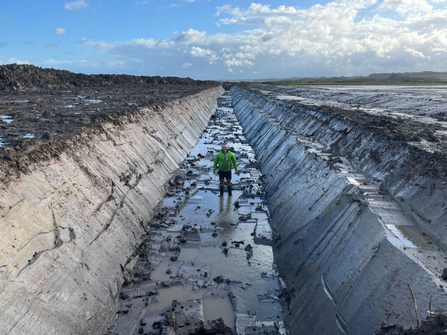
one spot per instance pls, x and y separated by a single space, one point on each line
359 207
41 110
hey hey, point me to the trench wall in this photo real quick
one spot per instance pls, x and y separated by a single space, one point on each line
343 274
70 227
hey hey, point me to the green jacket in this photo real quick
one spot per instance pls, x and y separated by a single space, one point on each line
224 161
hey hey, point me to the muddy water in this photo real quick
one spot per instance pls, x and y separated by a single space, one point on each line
211 255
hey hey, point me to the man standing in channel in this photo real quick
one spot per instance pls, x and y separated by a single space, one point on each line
224 159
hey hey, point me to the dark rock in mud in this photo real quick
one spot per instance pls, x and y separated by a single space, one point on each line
157 324
436 324
215 327
444 274
123 296
144 249
219 279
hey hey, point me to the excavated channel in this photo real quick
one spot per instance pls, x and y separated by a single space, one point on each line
206 258
359 216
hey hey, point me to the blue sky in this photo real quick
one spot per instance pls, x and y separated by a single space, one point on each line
216 39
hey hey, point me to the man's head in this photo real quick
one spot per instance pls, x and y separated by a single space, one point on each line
224 148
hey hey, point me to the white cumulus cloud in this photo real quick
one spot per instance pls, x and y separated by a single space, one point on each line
209 55
17 61
80 4
332 39
404 6
60 31
192 37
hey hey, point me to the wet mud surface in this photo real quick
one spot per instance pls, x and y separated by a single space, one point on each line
40 109
414 114
206 266
434 325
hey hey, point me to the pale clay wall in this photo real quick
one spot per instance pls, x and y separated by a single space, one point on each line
79 217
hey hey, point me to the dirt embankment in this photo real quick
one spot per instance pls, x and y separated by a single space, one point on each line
29 78
426 141
398 164
44 111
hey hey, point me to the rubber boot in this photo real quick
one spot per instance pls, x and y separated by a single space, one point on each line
221 191
229 190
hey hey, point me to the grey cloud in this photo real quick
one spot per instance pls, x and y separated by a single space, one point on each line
51 45
267 37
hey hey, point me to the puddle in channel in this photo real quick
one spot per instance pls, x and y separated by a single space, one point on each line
214 308
207 257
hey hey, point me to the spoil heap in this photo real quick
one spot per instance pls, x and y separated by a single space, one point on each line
44 111
83 165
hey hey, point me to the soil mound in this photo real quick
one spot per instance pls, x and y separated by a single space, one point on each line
42 110
29 78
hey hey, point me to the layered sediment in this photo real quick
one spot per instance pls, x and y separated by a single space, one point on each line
71 221
359 214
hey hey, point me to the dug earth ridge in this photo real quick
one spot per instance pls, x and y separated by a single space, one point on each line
76 197
358 204
44 112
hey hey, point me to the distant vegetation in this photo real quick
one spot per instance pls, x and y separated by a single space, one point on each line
407 78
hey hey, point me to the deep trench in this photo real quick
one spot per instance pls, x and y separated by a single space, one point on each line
359 236
207 257
352 250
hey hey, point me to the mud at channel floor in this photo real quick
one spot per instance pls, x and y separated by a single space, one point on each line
207 264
